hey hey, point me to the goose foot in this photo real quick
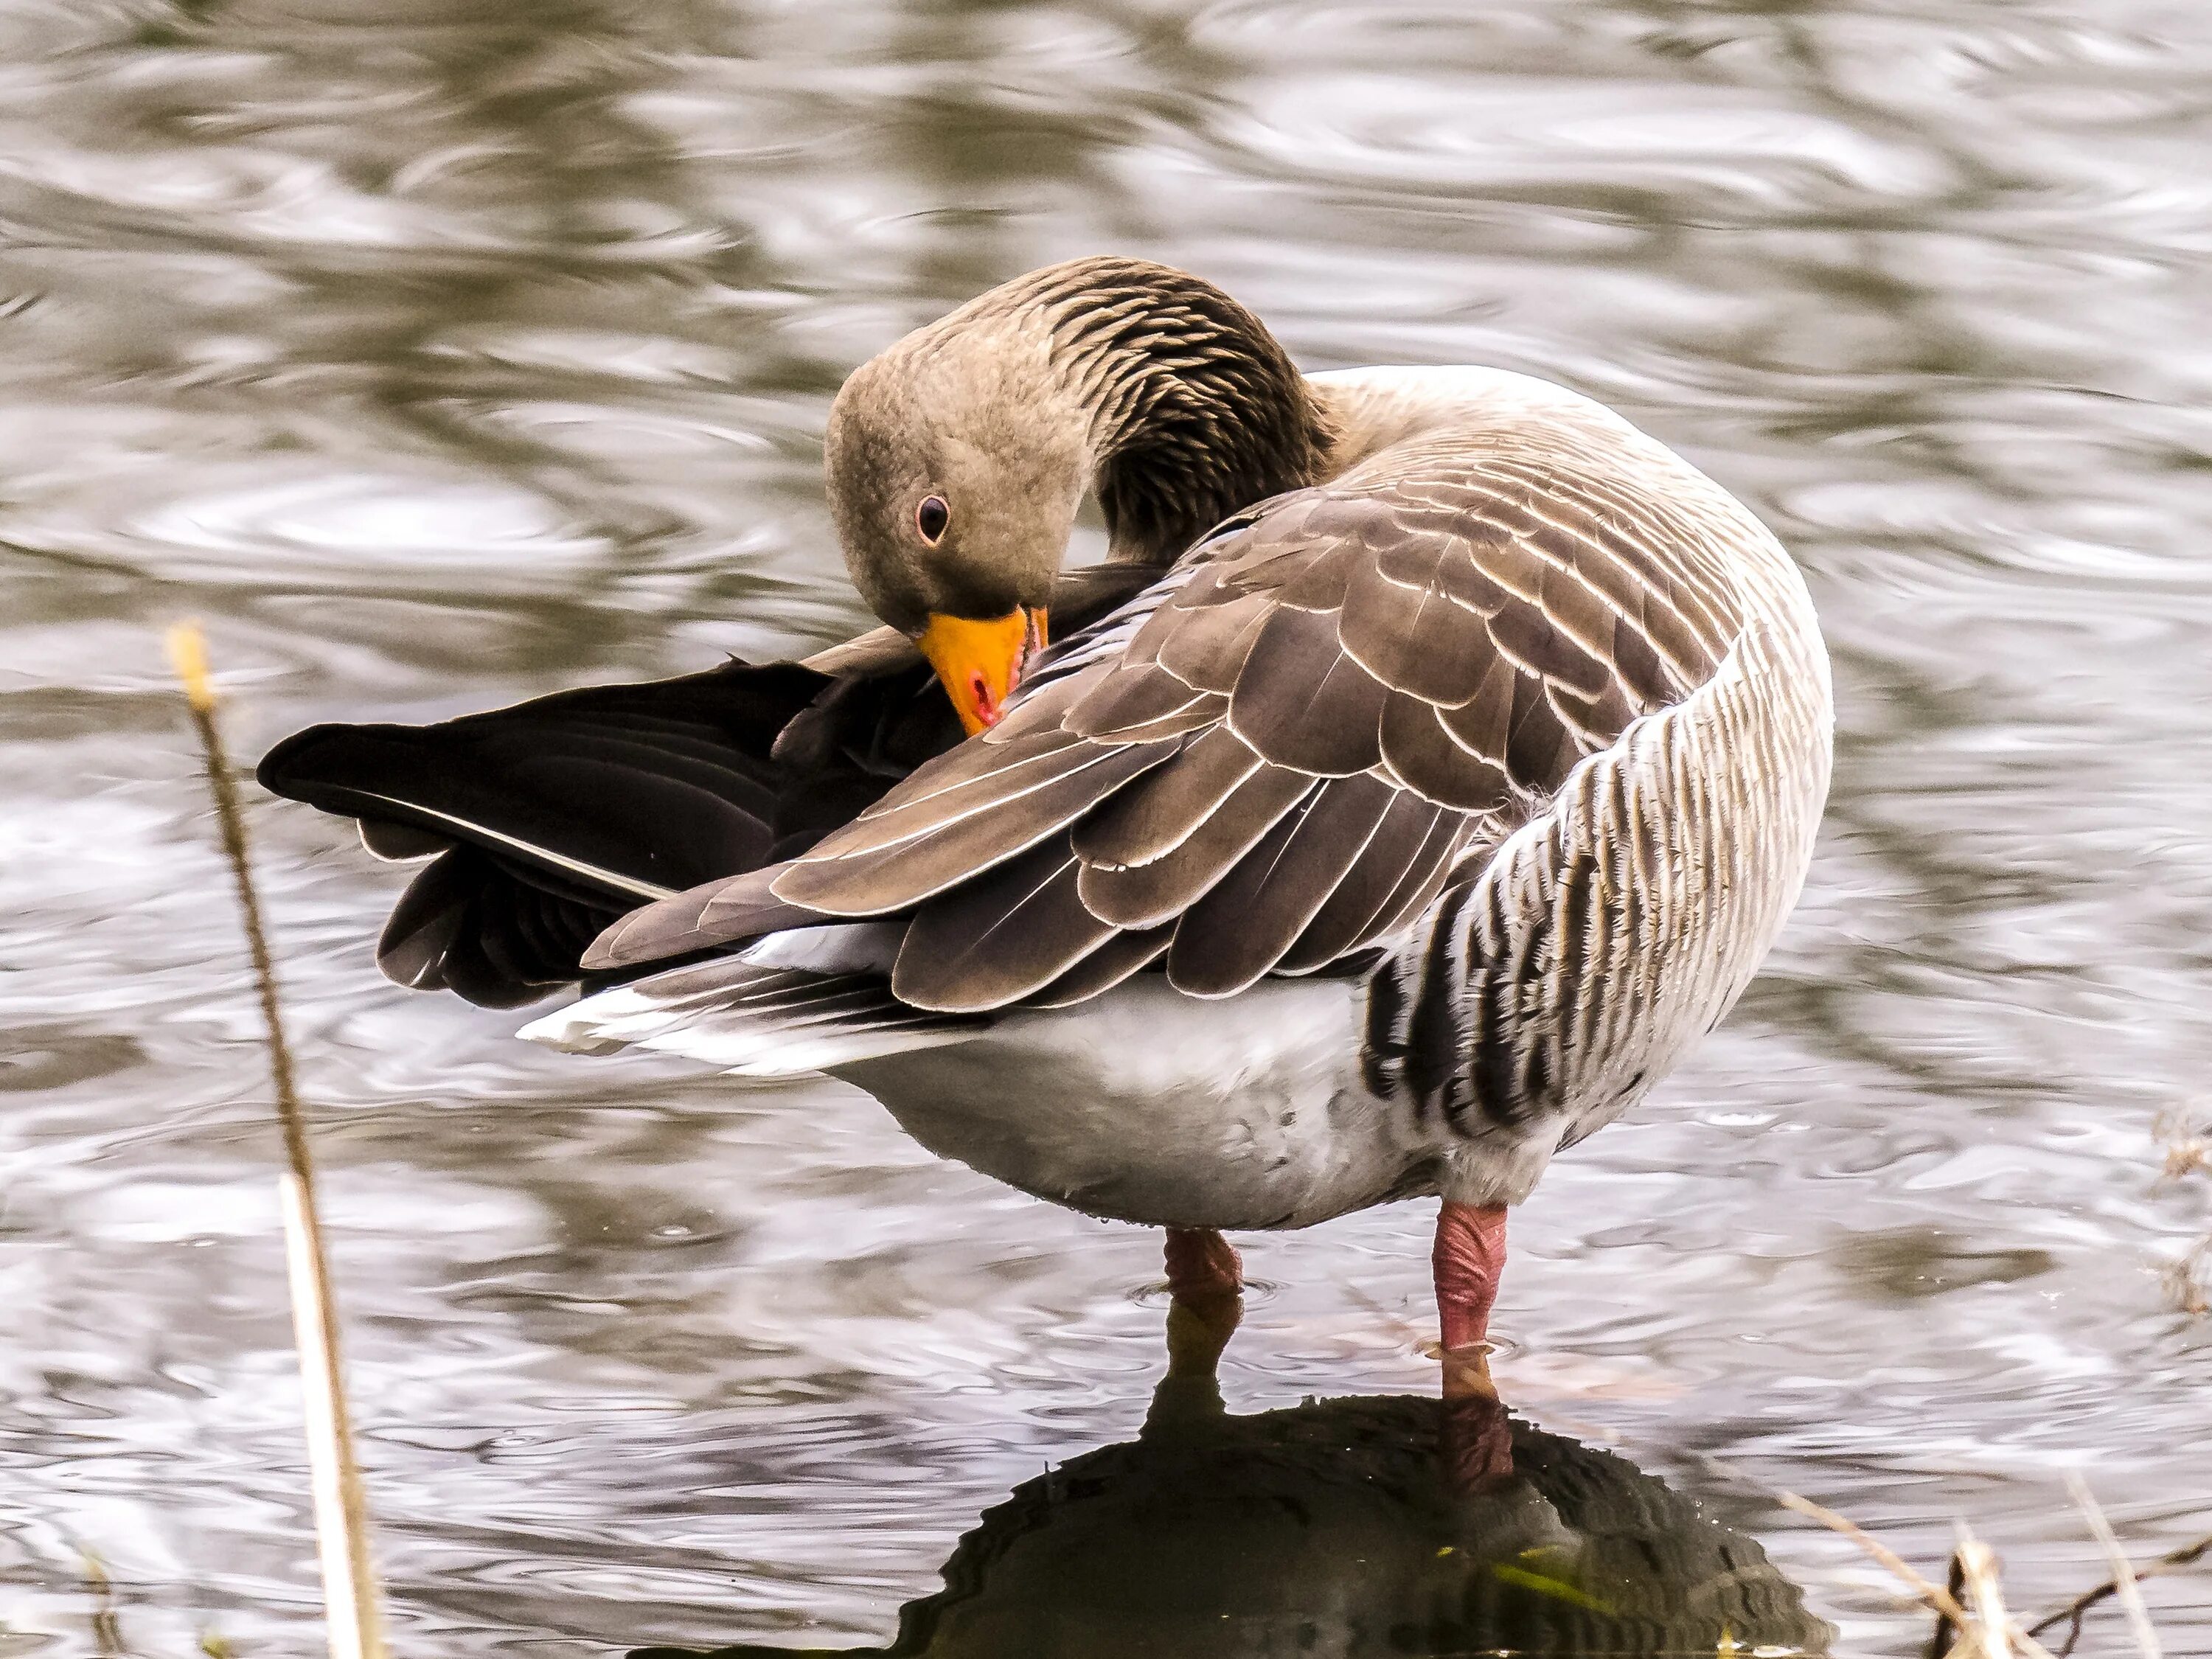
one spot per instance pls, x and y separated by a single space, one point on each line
1468 1259
1206 1282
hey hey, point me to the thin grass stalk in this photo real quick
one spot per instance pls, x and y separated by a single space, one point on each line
2123 1575
1976 1570
106 1624
1951 1607
2187 1555
1934 1595
352 1611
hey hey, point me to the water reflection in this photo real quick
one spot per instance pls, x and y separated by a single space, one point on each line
1392 1524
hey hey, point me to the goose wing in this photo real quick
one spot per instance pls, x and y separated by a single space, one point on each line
548 820
1272 758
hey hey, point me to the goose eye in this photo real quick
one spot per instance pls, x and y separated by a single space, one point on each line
931 517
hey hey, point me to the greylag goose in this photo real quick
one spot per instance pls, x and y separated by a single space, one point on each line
1432 762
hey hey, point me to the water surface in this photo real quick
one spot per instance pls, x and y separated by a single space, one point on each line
439 357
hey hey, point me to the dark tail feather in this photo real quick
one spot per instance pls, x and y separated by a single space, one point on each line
616 792
558 816
554 818
467 925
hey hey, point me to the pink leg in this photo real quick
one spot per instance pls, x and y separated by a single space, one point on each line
1206 1282
1201 1263
1468 1259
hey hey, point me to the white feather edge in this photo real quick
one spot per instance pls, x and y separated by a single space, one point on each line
743 1046
857 947
797 1002
646 891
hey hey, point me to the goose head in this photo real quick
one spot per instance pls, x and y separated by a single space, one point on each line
957 458
954 481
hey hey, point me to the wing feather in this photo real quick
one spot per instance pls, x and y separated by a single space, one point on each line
974 778
1483 725
1434 764
1208 648
1345 920
1141 701
1424 876
1122 956
1242 926
1526 634
986 943
1303 703
1277 756
1144 896
1161 811
1413 637
878 878
715 912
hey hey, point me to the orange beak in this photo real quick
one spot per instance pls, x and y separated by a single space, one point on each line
981 663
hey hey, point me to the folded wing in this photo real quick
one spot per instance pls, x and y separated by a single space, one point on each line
1294 739
549 820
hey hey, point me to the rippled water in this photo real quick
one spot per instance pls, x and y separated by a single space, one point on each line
441 356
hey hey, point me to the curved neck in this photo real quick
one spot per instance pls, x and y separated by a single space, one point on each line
1192 409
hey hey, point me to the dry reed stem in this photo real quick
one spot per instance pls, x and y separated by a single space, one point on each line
1942 1643
2123 1576
1978 1573
2187 1555
2184 1279
2188 1153
355 1621
2187 1148
1946 1605
107 1627
1937 1597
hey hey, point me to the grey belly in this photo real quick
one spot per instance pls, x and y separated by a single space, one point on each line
1162 1109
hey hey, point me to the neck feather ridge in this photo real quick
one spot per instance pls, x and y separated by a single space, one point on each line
1193 410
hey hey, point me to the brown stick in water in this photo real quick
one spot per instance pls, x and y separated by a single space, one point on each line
2187 1555
1935 1595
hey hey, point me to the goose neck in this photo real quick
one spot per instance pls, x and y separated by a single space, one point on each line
1190 409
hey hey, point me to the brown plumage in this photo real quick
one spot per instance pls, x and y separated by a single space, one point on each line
1431 764
1366 680
1392 648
